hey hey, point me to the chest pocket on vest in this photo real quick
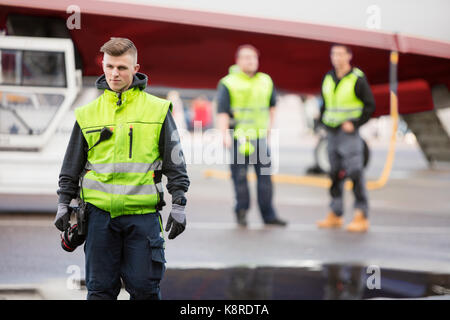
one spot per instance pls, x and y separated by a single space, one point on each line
142 141
92 136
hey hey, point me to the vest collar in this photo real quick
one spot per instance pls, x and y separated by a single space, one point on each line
245 76
119 98
334 75
139 83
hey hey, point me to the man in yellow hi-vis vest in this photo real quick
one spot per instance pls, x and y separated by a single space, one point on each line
121 144
246 101
347 104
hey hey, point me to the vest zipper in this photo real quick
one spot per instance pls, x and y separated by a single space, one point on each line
130 133
95 130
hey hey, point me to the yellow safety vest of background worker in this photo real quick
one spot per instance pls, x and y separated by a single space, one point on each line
246 100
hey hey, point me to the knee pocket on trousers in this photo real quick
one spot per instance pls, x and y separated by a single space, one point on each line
157 258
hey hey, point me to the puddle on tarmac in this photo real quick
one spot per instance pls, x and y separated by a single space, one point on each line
330 281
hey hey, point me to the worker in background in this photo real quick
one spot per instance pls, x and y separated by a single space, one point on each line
348 103
245 103
121 145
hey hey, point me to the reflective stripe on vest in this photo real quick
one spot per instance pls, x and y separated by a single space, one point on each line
249 103
121 175
121 189
341 102
124 167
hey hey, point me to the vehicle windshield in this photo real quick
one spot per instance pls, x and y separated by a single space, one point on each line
32 68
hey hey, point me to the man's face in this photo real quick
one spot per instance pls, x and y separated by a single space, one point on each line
247 60
340 57
119 71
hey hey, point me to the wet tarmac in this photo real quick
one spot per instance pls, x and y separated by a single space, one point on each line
325 282
408 240
332 281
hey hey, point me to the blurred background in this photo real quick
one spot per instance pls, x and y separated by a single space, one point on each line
50 60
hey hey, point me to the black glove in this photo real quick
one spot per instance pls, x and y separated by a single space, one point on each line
71 239
176 222
62 217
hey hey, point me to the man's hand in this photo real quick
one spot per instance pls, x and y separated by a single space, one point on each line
227 142
62 217
176 222
348 127
223 123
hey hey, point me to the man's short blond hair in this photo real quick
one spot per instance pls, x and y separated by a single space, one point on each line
119 46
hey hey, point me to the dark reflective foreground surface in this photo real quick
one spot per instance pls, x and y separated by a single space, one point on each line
327 282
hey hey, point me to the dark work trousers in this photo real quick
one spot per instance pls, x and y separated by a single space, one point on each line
346 155
260 159
127 247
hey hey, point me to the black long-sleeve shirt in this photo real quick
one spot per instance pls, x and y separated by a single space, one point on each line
363 92
76 157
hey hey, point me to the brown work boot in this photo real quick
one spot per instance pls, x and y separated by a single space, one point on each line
360 223
331 221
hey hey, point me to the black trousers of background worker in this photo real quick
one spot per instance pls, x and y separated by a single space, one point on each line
260 159
128 247
346 155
